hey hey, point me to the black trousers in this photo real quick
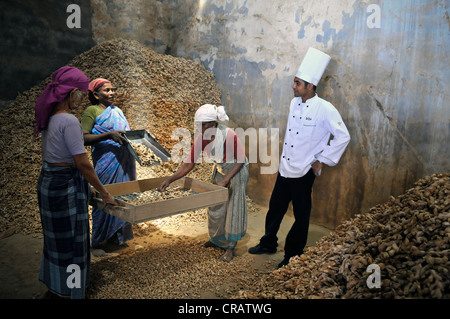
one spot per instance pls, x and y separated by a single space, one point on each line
297 190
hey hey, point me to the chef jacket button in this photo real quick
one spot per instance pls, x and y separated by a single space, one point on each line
294 116
285 143
288 159
292 145
284 156
297 133
289 130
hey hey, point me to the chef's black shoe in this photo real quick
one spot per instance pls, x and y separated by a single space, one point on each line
284 262
259 249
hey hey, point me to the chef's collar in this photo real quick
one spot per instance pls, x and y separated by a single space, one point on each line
310 100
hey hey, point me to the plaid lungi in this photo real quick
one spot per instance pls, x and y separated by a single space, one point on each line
63 196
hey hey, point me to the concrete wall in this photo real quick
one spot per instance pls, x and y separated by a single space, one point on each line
35 41
389 83
148 21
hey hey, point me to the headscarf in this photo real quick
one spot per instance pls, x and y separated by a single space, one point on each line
64 80
94 86
209 112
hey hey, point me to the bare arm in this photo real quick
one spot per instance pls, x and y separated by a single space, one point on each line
233 171
184 169
87 170
91 139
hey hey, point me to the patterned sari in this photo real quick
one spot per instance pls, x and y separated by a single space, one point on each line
113 163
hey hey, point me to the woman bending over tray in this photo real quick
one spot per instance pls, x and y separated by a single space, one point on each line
102 124
62 188
227 223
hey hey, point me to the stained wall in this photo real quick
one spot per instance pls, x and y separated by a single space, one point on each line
388 81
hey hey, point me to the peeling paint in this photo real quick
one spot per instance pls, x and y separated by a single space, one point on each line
301 33
328 34
267 30
388 83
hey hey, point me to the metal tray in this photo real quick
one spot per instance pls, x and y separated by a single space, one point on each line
145 138
131 149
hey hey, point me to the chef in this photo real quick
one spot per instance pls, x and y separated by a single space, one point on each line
306 148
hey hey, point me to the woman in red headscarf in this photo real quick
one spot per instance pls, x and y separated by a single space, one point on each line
62 188
102 124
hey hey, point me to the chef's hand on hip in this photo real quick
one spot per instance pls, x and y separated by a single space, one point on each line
317 168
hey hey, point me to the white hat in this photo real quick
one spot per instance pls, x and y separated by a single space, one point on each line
313 66
209 112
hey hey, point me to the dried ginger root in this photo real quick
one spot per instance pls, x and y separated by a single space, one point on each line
408 238
152 196
146 155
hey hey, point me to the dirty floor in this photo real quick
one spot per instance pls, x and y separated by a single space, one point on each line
20 255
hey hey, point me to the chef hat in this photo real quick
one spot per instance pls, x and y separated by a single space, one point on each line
313 65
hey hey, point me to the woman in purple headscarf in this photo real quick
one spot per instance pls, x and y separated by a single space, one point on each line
63 189
102 124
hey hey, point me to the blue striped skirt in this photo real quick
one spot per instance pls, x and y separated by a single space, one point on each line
63 196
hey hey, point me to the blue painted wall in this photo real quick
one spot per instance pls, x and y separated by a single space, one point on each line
389 83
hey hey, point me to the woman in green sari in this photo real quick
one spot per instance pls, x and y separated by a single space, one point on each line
102 124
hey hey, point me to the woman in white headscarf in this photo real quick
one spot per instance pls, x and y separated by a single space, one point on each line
227 223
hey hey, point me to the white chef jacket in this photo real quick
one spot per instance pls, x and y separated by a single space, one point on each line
308 131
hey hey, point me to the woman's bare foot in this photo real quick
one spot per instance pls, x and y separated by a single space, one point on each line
97 252
229 254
